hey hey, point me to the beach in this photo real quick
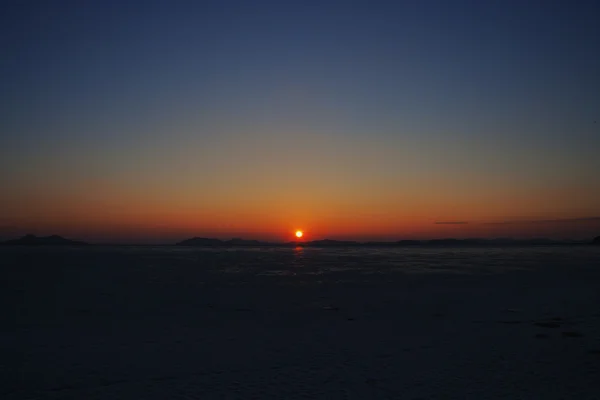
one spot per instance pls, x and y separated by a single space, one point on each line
192 323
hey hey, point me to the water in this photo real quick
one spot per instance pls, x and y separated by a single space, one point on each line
166 322
289 265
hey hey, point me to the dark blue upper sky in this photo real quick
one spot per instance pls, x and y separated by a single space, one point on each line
498 93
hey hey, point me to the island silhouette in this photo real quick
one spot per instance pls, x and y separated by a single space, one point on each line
212 242
56 240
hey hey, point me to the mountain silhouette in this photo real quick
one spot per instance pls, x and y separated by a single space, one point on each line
330 242
198 241
244 242
408 242
54 240
211 242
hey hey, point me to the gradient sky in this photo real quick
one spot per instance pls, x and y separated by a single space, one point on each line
159 120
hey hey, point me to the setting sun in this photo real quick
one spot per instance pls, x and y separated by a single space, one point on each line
299 234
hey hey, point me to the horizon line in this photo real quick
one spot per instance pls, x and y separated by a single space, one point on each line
241 242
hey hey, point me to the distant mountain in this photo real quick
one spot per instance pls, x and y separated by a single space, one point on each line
408 242
329 242
243 242
596 240
54 240
210 242
494 242
197 241
444 242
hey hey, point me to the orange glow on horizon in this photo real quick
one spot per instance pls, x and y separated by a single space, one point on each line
123 212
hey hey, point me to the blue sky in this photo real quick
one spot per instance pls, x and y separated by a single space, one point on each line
464 101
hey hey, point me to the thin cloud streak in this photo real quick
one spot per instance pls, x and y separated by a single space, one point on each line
545 221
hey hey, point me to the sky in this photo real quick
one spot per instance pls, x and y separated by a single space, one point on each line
155 121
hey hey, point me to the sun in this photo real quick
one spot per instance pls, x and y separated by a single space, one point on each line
299 234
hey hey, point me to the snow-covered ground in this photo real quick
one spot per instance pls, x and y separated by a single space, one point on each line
167 323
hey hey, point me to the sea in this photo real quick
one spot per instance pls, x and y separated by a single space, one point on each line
301 264
158 322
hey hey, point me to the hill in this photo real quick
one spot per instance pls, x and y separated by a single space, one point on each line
54 240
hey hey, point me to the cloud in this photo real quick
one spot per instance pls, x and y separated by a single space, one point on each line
545 221
451 222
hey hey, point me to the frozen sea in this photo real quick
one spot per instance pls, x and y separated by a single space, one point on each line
287 323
